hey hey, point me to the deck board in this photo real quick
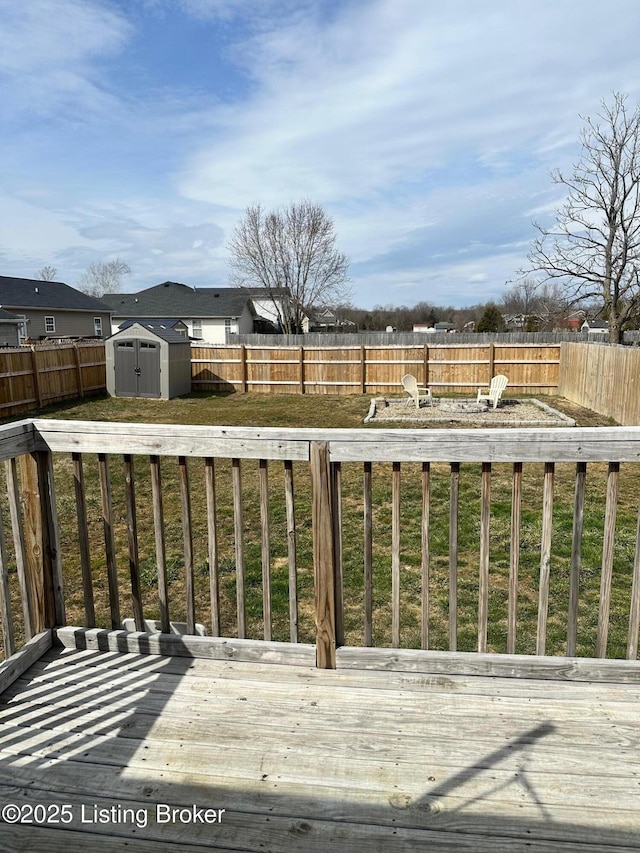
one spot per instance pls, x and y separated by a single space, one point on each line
308 760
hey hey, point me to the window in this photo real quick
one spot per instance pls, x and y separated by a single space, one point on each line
97 327
227 325
50 325
197 328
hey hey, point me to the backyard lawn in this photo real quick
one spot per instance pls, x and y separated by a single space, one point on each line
344 412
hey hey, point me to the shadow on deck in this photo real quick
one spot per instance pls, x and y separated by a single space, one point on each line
302 759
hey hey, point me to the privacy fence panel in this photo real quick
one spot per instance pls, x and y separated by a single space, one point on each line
375 369
603 378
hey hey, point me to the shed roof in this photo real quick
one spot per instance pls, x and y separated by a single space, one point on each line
168 335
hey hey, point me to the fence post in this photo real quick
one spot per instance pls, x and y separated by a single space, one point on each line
363 370
301 359
76 355
323 556
36 377
43 568
243 368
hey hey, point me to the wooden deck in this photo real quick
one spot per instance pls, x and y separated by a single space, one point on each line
304 759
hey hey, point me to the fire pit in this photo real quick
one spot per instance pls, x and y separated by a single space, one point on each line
461 406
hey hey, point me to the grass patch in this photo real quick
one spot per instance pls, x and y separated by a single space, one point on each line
343 412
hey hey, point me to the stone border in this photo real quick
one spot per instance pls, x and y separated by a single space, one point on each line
469 418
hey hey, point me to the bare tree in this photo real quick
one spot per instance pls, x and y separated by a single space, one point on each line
103 277
48 273
594 249
292 254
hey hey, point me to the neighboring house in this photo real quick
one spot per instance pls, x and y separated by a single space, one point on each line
326 320
270 304
442 326
209 313
595 327
51 309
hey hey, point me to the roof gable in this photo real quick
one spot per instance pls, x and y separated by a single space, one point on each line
18 293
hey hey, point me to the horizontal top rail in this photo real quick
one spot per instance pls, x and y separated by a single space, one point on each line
580 444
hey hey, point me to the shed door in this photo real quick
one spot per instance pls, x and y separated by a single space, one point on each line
148 369
137 367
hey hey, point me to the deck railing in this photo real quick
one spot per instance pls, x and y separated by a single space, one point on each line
455 540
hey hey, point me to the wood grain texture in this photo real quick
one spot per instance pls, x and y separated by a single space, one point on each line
187 538
545 557
159 539
83 540
483 590
610 513
109 539
132 541
25 579
514 556
323 557
292 561
212 544
238 532
265 547
576 557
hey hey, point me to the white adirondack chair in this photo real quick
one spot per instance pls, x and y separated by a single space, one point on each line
417 393
496 390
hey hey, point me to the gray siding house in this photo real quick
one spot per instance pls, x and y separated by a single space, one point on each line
51 309
209 313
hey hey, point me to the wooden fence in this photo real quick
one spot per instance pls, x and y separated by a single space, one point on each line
603 378
453 368
31 377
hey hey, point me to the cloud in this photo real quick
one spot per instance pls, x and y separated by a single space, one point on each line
50 52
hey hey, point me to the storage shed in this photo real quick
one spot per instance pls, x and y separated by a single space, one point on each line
148 360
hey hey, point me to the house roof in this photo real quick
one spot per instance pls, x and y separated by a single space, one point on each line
16 293
172 299
596 324
165 334
7 317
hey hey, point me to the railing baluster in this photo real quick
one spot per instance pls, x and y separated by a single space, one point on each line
6 617
336 502
483 594
25 579
161 553
187 536
83 541
425 556
395 556
323 556
576 558
514 556
634 610
265 547
212 540
109 540
611 508
132 536
368 554
291 550
545 557
453 556
236 477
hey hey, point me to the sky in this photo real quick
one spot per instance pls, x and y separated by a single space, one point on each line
142 129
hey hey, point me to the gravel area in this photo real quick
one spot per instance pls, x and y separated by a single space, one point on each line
515 413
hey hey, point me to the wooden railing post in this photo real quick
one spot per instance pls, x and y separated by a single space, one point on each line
43 568
323 556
